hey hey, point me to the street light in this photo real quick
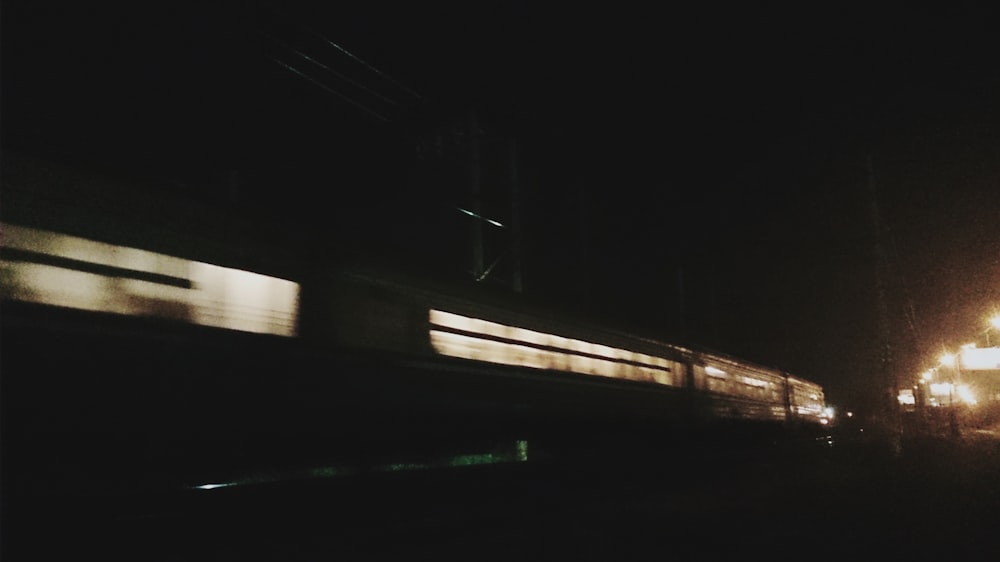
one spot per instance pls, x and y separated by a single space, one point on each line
948 360
953 362
994 323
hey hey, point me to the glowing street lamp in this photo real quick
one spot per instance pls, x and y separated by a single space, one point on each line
994 324
948 360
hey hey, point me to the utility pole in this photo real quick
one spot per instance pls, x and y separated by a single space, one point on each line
516 279
681 312
887 377
475 191
583 240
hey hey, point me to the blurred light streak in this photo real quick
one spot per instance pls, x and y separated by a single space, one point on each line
56 269
474 215
461 336
349 100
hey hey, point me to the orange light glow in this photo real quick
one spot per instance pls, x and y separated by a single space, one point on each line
947 360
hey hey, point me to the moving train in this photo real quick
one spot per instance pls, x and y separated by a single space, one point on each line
368 311
373 311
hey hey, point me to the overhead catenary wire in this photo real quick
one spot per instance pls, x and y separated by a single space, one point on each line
327 68
349 54
370 67
340 95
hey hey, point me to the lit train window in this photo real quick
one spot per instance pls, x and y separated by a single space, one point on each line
55 269
715 372
461 336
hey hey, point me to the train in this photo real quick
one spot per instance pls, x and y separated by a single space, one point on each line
507 356
380 312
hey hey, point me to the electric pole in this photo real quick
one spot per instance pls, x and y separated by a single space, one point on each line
476 195
516 280
887 382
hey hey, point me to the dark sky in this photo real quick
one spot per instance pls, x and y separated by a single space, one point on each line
700 173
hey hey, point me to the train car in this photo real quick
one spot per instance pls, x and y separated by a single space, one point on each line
496 349
379 312
740 390
806 402
374 311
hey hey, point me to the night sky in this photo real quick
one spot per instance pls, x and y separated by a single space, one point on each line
737 176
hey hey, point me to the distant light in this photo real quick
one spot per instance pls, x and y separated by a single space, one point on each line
941 389
948 360
714 371
980 359
214 486
965 394
995 321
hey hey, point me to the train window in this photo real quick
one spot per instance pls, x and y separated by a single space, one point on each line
483 340
67 271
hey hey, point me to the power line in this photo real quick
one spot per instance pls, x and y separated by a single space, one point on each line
349 54
332 71
370 67
331 90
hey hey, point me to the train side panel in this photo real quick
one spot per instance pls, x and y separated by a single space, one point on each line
806 401
374 313
359 312
343 313
739 390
